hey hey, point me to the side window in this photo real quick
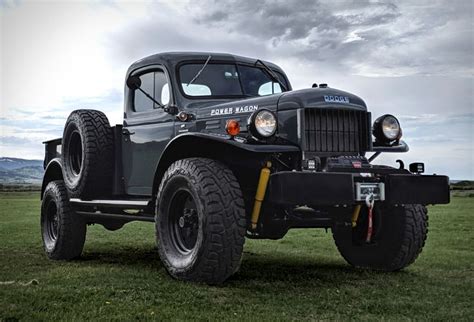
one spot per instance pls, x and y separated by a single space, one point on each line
161 88
142 103
165 94
266 89
156 85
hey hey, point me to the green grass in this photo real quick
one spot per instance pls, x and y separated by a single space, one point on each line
299 277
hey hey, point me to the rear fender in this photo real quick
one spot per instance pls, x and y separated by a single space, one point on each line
52 172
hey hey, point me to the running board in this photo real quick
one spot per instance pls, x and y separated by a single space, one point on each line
123 204
100 215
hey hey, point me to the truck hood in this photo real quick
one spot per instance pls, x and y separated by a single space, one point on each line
308 98
320 98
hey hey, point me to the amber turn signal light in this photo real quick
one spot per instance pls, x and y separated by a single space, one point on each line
232 127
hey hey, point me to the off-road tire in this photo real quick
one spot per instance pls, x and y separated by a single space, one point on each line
399 236
220 214
67 240
87 154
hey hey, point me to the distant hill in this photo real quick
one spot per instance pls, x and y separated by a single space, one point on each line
16 163
20 171
462 185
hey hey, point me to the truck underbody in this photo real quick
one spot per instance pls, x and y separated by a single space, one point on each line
293 199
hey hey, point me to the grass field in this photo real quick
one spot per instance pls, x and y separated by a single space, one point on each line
299 277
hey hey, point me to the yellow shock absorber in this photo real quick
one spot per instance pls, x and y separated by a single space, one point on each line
260 194
355 215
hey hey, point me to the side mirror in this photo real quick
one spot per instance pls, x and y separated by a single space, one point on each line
134 82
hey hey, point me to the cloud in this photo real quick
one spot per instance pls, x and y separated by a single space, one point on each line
7 4
307 21
54 51
392 38
439 129
410 59
17 147
143 37
22 130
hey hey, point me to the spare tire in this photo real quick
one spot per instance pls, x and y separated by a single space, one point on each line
87 154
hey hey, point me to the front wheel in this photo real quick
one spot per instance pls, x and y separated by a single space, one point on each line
398 238
200 221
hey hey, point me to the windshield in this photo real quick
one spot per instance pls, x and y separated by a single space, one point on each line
227 80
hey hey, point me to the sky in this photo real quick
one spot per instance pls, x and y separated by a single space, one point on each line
412 59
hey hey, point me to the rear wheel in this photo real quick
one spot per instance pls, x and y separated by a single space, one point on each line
398 238
63 232
200 221
87 154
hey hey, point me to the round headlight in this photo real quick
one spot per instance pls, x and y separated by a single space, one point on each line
390 127
387 128
263 123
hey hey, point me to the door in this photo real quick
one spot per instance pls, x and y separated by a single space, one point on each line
147 130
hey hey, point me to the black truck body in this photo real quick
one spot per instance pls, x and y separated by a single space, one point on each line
318 169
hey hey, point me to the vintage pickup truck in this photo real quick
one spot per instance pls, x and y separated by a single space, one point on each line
215 148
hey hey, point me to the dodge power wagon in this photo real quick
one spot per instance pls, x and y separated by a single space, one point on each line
215 148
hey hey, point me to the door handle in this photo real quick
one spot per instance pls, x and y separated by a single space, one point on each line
127 132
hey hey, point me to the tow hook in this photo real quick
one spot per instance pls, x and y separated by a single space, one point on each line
369 201
260 194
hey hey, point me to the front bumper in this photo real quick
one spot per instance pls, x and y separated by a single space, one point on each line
325 189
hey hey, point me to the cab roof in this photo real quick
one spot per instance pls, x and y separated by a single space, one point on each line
171 59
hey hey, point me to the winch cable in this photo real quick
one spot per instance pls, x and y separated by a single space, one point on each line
370 201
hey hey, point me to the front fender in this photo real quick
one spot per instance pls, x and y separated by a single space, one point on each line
225 139
196 144
52 172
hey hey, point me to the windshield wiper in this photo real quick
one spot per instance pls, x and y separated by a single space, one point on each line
271 73
200 71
